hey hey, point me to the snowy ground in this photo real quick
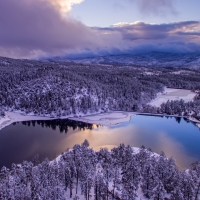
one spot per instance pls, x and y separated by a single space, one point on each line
110 118
198 125
182 72
173 94
11 117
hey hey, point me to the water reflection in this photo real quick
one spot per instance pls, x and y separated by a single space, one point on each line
26 139
175 136
63 125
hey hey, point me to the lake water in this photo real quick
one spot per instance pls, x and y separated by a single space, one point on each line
175 136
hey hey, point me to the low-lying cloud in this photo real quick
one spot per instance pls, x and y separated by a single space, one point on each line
37 28
180 37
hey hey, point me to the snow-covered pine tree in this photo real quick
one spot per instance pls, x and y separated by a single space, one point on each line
158 192
148 181
130 174
194 171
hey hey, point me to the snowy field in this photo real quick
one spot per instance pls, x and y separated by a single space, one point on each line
110 118
173 94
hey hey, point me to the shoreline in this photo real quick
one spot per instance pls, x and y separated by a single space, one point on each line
106 119
12 117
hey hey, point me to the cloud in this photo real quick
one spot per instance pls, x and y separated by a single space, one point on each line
30 27
140 37
141 30
160 7
37 28
64 5
155 7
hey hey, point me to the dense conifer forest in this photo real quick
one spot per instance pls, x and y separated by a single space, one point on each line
82 173
57 89
65 88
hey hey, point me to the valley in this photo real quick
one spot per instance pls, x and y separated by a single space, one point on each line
50 107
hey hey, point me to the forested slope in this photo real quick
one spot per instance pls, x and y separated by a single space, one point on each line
62 89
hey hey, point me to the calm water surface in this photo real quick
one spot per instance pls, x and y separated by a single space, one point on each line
175 136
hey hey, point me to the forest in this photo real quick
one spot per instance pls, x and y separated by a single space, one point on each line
176 107
56 89
119 173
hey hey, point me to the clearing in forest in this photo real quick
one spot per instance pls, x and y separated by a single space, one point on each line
173 94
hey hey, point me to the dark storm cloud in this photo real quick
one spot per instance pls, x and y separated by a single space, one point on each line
141 30
28 26
157 31
36 28
138 37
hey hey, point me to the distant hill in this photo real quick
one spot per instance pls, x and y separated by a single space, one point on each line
153 59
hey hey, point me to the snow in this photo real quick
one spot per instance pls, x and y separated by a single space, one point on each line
182 72
149 73
192 119
172 94
11 117
140 196
109 118
18 116
198 125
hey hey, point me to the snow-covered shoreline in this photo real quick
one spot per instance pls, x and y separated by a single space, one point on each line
11 117
105 119
117 117
109 118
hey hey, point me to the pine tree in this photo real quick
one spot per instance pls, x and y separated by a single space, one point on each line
105 159
130 175
100 184
194 172
158 192
187 186
148 179
177 194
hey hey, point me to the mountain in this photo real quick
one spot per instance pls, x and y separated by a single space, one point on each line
153 59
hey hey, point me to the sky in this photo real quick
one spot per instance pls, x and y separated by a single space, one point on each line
79 28
104 13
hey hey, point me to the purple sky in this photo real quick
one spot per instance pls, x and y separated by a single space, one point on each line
45 28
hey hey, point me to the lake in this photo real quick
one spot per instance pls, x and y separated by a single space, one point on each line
175 136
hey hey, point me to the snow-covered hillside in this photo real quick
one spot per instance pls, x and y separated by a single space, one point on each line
60 88
154 59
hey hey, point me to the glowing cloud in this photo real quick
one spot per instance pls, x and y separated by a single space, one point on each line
36 28
65 5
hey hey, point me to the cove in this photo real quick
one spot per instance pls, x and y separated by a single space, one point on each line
177 137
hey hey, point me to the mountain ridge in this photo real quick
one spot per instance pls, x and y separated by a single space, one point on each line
153 59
